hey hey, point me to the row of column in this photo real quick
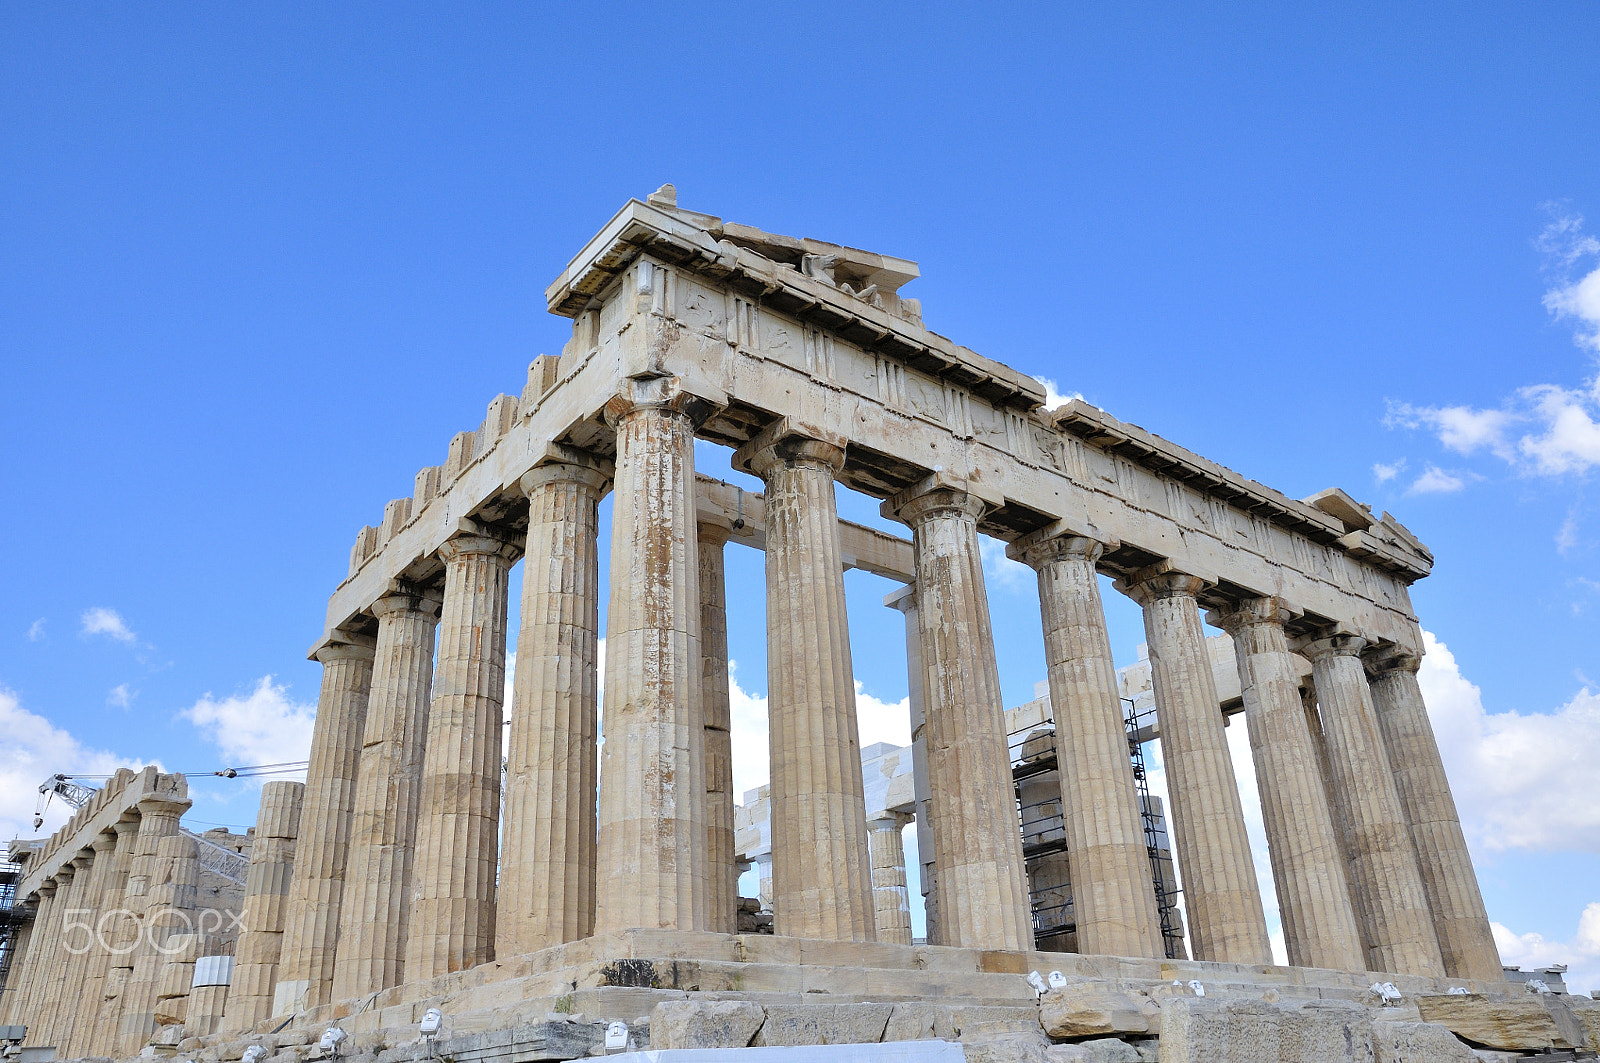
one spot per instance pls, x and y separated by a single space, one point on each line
401 812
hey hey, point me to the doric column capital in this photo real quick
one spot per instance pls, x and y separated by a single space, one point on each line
1159 581
344 651
105 841
408 598
1333 646
664 393
1041 548
889 820
788 440
904 599
712 534
930 497
593 472
157 806
1389 661
83 858
479 545
1249 612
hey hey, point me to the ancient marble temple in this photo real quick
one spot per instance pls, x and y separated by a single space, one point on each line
437 864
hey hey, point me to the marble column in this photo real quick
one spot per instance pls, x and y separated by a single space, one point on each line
1385 884
891 905
174 874
547 875
71 881
322 851
821 870
266 894
458 832
92 1038
177 979
10 991
905 600
651 852
72 1026
719 732
158 821
42 948
983 891
1221 896
1113 891
1459 919
375 911
1319 924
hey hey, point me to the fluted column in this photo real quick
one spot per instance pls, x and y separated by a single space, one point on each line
891 905
169 910
547 875
458 832
71 880
21 942
821 877
905 601
651 853
1319 924
84 949
92 1037
720 856
1459 919
1221 896
1113 892
42 945
375 911
266 890
983 892
1385 884
158 821
322 850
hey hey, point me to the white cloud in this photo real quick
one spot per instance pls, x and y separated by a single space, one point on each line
262 727
1507 768
1384 473
1001 572
1581 954
120 697
33 750
36 630
1053 396
103 621
1556 428
1436 481
1567 534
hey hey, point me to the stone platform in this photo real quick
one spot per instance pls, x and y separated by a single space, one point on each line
679 990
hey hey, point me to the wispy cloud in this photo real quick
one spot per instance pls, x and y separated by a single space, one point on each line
1053 396
103 621
262 727
120 696
1384 473
1540 429
1001 572
36 630
1436 481
1567 534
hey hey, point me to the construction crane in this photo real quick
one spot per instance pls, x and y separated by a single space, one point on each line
62 786
220 859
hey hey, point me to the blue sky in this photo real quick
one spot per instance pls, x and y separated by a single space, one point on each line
258 264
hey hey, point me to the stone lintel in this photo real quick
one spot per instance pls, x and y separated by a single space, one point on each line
101 814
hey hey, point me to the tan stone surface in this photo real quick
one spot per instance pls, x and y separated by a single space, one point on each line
89 1036
823 1024
677 1024
1385 885
720 852
1211 1030
72 1028
547 873
71 881
42 949
311 923
272 857
1319 924
651 852
1454 899
983 896
1113 893
1221 898
1088 1009
1521 1023
176 979
173 874
452 910
207 1003
1418 1042
891 903
821 878
374 912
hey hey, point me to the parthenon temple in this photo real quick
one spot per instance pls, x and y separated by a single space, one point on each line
541 883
